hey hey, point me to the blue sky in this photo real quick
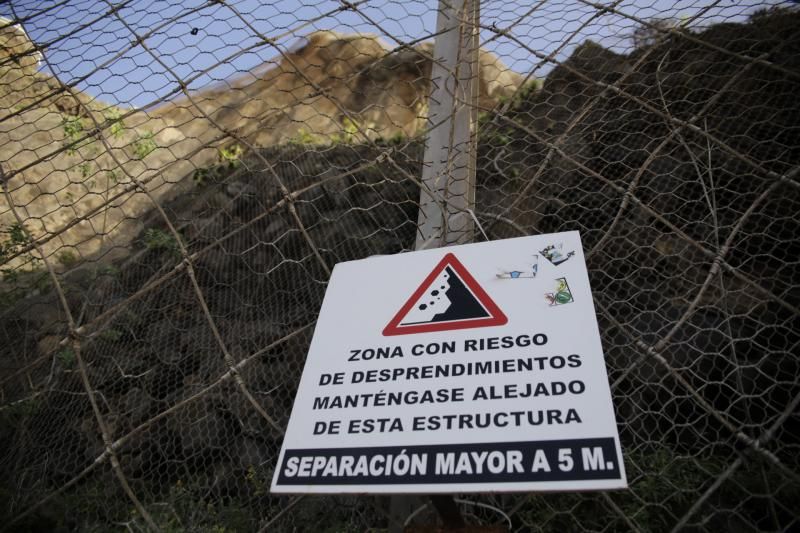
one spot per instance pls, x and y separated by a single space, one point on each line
209 34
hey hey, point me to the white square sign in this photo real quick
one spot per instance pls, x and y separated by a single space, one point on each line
464 369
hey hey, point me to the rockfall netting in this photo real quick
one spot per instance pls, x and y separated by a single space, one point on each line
179 179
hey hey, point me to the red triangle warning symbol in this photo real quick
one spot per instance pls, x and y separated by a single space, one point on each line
448 299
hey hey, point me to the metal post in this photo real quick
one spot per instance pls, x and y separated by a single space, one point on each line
449 168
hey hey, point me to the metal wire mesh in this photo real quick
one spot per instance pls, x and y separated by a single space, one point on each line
180 178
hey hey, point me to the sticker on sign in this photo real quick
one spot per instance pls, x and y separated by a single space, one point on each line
438 371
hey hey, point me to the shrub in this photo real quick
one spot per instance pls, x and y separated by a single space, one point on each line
144 145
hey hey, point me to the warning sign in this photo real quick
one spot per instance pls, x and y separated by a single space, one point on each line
471 368
448 299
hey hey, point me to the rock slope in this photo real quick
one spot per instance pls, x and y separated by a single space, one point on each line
63 174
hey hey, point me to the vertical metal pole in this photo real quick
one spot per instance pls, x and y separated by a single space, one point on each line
449 168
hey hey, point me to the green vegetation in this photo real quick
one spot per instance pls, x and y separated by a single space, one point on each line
397 138
67 358
522 94
201 175
111 335
106 270
351 132
527 89
85 169
231 156
497 136
257 482
17 238
304 137
112 176
350 129
73 127
156 239
117 125
144 145
67 258
228 159
517 101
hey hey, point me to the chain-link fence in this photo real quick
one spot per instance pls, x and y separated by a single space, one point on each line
178 180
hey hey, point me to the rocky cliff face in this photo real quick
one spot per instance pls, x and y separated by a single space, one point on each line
328 79
329 88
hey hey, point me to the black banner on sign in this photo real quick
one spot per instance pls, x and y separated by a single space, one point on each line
554 460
